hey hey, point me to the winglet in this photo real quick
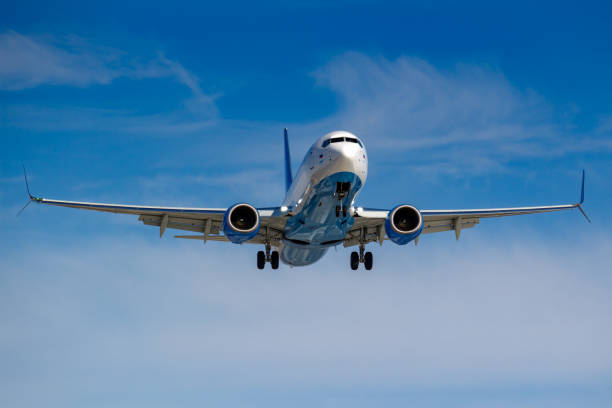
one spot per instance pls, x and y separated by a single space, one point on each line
582 189
25 176
288 175
32 198
579 205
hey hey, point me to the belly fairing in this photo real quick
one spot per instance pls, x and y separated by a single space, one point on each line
300 255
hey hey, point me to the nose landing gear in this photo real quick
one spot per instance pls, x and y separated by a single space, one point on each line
342 189
268 256
362 257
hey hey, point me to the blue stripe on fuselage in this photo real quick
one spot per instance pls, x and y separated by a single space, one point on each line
315 228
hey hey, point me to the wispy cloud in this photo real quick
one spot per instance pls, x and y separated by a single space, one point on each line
201 102
467 117
29 61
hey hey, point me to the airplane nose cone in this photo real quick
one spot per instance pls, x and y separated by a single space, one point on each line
347 158
348 151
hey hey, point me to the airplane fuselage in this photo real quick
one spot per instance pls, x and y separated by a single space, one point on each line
321 197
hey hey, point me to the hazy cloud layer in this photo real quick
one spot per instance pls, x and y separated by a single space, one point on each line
181 317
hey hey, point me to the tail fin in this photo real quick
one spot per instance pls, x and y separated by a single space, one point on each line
288 175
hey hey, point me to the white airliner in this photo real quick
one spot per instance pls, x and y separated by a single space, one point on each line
318 212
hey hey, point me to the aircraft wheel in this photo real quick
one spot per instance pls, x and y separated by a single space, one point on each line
337 211
354 261
261 259
368 260
274 260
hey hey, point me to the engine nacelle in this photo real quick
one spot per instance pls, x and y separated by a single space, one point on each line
241 222
404 223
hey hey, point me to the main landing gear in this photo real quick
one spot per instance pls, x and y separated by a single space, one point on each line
268 256
362 257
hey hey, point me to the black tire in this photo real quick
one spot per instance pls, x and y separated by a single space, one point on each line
337 211
368 261
261 259
344 211
274 260
354 261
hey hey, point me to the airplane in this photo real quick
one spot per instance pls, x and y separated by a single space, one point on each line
318 211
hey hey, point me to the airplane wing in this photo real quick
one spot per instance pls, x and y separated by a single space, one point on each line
206 221
369 224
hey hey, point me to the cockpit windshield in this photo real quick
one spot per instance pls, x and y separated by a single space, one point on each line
341 139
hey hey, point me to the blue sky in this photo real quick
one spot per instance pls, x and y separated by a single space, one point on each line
460 105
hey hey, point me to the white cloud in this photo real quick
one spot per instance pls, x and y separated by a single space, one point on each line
468 118
29 61
201 102
188 316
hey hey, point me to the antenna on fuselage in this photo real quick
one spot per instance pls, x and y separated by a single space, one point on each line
288 175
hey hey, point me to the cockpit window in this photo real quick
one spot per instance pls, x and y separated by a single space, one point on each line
341 139
353 140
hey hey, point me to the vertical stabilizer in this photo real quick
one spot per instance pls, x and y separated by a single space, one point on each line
288 175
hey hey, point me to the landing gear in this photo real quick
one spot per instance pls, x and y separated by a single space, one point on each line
268 256
261 259
354 260
368 261
362 257
342 190
340 210
274 260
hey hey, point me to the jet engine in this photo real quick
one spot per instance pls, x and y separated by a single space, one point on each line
240 223
403 224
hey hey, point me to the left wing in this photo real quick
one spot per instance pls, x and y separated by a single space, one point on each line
369 224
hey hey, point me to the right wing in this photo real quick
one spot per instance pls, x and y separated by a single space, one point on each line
206 221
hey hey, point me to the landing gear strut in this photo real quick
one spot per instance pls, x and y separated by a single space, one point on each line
268 256
362 257
342 189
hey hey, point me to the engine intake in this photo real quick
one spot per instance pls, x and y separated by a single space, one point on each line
241 222
403 224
